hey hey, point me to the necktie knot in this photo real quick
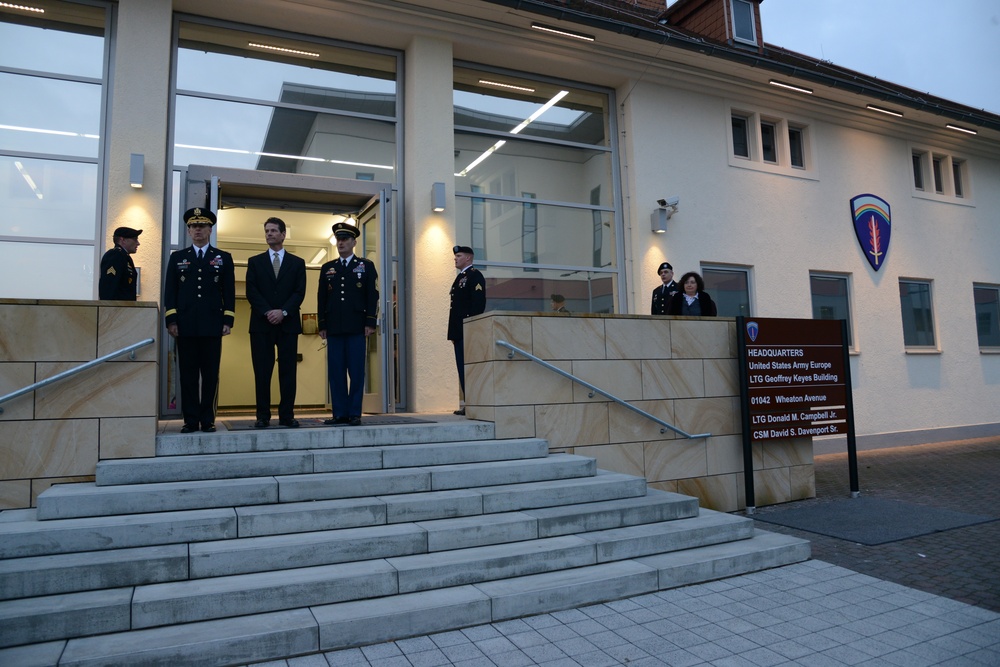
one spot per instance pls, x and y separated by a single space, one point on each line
276 263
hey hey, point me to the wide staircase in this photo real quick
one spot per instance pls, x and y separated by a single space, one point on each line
242 547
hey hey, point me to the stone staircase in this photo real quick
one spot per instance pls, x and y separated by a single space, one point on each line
241 547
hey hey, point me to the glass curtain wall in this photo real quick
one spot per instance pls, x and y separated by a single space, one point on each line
53 72
535 190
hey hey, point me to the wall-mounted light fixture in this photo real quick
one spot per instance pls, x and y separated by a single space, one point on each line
890 112
437 197
959 128
666 209
135 170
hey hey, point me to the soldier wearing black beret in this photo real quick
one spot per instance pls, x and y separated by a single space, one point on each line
199 297
118 277
348 314
468 298
662 294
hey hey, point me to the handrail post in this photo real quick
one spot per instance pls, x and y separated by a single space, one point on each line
597 390
73 371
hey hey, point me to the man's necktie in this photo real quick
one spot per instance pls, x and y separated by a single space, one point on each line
201 253
276 264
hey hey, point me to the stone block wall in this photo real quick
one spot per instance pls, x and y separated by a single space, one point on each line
682 370
57 434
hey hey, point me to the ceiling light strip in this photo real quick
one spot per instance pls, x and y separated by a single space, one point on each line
961 129
561 32
281 49
23 8
509 86
889 112
789 86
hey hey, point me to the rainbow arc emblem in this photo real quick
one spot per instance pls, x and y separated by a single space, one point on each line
873 227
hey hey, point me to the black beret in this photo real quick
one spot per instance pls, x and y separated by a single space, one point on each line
127 233
344 228
462 248
199 216
665 265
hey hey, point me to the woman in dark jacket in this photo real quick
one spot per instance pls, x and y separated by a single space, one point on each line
692 299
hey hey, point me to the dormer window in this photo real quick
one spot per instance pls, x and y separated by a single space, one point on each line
744 25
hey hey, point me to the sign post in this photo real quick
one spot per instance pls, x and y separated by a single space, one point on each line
794 382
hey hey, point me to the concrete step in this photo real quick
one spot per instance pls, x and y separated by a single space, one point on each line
91 570
260 464
30 537
87 499
295 632
230 442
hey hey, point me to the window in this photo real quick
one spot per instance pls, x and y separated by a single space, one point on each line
744 28
769 143
956 177
534 175
769 151
831 300
917 311
795 150
948 174
741 142
729 287
918 171
53 71
987 301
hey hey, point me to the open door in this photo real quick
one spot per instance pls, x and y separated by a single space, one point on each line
242 201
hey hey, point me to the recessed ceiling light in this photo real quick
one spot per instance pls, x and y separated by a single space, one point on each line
890 112
23 8
961 129
506 85
564 33
281 49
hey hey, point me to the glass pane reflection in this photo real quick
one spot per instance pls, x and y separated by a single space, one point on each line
49 116
250 136
524 232
526 290
68 274
75 48
556 173
47 199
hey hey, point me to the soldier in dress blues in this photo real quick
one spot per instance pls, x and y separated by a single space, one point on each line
348 314
468 298
199 297
663 293
118 276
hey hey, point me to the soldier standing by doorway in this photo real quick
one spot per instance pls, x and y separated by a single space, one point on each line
468 298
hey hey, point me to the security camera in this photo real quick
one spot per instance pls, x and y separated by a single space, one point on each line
671 202
662 203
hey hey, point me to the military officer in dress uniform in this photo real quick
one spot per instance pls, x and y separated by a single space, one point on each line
200 301
662 294
348 314
117 281
468 298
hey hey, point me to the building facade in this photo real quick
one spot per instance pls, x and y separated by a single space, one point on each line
545 135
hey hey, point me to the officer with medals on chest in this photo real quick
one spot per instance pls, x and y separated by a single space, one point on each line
118 277
468 298
663 293
348 314
199 298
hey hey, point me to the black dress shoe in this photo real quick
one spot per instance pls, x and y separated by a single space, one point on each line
332 422
289 423
460 412
261 423
187 428
354 421
208 428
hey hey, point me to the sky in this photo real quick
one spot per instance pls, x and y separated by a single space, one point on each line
948 48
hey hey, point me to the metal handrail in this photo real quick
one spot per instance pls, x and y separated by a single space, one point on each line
73 371
664 425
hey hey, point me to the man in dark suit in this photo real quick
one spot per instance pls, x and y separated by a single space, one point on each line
662 294
117 281
276 286
199 298
348 314
468 298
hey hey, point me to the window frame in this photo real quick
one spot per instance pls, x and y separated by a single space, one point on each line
913 347
940 175
749 6
987 348
848 298
706 267
783 125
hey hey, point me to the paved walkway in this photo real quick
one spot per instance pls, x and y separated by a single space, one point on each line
931 600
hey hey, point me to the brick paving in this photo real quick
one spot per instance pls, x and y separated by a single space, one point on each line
961 564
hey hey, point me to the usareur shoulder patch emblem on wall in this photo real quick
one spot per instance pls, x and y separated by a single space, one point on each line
872 224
